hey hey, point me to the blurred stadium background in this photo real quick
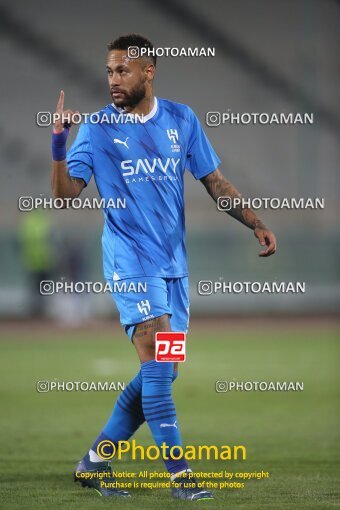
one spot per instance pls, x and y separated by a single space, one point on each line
271 56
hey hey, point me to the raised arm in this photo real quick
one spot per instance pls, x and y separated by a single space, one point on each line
218 186
63 185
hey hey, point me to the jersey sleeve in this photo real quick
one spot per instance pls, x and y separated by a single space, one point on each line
201 157
80 156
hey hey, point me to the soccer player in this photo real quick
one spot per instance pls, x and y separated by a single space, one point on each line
144 162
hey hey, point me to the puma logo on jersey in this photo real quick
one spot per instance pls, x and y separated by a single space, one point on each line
169 424
149 166
116 140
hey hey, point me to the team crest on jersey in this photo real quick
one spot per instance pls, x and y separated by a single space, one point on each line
173 137
144 307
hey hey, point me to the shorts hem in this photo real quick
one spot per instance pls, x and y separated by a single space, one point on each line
125 326
181 275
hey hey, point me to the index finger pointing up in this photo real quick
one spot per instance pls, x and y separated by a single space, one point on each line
60 105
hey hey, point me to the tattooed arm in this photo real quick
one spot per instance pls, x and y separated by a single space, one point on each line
218 186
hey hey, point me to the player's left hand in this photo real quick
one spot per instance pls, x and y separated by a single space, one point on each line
266 238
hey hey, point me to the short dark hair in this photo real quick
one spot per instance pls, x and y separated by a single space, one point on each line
125 41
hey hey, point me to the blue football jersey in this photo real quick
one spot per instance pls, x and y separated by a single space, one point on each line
142 163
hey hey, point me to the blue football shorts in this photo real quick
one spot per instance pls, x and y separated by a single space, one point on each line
141 299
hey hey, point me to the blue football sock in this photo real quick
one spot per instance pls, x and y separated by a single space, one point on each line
126 417
159 409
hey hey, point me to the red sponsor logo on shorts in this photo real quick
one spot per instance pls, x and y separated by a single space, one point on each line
170 346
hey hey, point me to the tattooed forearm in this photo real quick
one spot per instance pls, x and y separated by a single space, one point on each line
218 186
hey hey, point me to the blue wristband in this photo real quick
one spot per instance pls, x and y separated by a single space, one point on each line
59 145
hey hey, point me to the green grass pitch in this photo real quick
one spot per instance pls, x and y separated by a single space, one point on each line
293 435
